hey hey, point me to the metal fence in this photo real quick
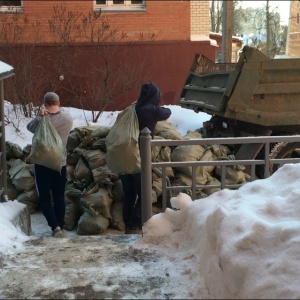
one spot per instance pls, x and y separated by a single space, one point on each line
147 166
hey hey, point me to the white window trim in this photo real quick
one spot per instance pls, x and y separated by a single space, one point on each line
12 9
127 6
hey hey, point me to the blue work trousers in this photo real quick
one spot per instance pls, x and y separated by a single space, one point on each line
50 185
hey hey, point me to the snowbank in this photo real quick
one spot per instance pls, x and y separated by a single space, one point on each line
11 237
183 119
246 241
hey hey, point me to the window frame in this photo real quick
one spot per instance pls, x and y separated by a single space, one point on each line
11 9
126 6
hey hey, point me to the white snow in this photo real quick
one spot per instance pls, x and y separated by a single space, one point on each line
246 241
11 236
233 244
201 38
4 67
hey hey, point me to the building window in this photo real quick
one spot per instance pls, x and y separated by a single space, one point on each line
113 5
11 6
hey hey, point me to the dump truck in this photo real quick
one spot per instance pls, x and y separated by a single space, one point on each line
257 96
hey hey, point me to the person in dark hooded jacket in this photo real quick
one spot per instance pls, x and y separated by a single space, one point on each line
149 113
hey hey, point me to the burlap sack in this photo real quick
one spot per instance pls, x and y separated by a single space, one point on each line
72 215
220 150
26 151
30 198
104 176
208 156
12 192
184 180
73 158
21 175
70 173
73 195
82 171
153 196
99 144
92 131
13 150
117 216
123 155
117 191
98 203
165 154
100 131
167 130
157 186
193 135
95 158
47 147
190 153
232 176
89 224
73 141
212 181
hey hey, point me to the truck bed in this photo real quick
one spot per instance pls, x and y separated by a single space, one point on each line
256 90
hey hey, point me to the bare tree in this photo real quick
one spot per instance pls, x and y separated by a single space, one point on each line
216 11
110 73
89 59
30 76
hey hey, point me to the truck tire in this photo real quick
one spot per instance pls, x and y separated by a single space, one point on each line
284 150
278 150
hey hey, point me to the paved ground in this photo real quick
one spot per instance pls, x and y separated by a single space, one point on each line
82 267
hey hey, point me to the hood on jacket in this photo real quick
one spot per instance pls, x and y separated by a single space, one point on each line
150 94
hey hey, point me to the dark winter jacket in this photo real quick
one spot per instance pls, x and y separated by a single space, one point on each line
147 108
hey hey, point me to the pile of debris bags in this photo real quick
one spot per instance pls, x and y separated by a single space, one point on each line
94 194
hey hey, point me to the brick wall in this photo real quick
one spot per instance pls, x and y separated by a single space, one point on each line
199 17
165 63
294 34
167 20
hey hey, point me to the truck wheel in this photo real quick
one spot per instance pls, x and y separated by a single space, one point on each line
284 150
278 150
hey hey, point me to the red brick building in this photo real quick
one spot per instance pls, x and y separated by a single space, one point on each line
127 41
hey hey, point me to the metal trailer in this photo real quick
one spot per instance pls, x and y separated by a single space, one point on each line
6 71
256 96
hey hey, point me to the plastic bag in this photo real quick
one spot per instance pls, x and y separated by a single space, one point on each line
123 154
47 147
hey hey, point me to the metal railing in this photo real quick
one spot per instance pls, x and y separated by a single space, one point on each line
146 144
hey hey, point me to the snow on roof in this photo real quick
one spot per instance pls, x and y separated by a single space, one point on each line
200 38
220 35
5 69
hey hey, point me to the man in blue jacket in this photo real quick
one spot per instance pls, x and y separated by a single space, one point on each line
149 113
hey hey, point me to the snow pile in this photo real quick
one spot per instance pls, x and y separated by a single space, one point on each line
183 119
246 241
11 237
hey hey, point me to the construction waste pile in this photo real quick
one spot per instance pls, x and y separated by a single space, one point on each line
94 194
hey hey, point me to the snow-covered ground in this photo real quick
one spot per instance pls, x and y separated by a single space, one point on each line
233 244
